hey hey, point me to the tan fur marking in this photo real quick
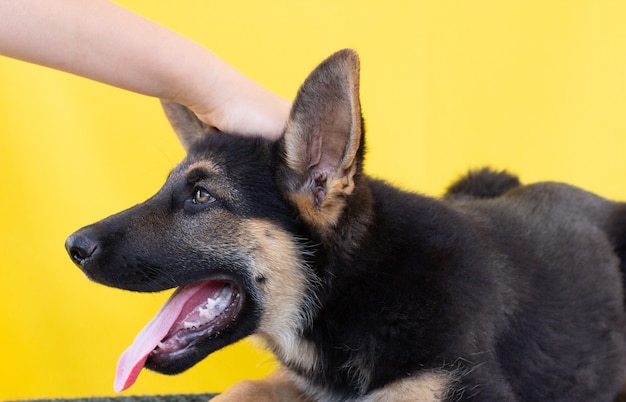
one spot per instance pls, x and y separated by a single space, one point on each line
427 387
204 164
277 259
324 217
277 387
219 184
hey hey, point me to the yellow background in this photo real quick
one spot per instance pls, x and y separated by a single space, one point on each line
537 87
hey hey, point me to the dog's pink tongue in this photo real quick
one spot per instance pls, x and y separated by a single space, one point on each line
132 360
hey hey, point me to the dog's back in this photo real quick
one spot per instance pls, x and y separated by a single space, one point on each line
515 296
557 251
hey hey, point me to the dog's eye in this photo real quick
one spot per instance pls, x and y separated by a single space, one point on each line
199 200
201 196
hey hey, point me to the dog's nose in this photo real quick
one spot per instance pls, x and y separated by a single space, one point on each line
80 248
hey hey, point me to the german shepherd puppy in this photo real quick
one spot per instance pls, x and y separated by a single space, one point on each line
364 292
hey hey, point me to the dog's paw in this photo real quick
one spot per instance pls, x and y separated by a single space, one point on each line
249 391
277 387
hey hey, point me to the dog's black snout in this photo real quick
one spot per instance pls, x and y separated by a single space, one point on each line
80 247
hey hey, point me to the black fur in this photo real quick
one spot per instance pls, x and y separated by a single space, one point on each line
464 288
514 291
483 183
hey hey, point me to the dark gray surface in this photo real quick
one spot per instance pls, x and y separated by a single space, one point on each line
143 398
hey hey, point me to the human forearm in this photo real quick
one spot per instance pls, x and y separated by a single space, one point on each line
92 38
100 40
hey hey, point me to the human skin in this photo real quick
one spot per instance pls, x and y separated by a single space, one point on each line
103 41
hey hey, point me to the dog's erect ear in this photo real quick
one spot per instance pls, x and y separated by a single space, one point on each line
186 124
322 139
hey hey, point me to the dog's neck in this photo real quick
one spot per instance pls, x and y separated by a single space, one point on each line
333 251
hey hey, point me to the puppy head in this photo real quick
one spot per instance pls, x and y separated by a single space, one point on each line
229 227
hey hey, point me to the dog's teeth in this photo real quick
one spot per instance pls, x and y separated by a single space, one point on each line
217 303
190 325
225 292
210 309
211 303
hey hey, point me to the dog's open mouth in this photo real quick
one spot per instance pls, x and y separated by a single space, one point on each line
192 313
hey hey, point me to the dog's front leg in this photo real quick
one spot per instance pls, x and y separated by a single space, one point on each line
277 387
